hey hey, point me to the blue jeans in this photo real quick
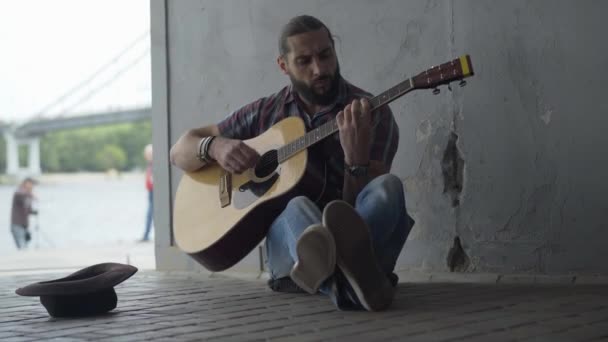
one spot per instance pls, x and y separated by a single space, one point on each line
381 204
149 214
19 234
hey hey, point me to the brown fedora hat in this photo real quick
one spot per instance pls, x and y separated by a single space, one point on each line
89 291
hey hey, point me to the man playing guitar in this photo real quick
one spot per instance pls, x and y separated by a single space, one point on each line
346 243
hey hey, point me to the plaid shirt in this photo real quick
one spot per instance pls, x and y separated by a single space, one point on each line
255 118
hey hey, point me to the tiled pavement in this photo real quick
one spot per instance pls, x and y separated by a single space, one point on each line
194 307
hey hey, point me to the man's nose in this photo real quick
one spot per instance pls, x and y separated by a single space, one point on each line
318 67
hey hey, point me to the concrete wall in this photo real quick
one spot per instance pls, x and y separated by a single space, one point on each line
513 163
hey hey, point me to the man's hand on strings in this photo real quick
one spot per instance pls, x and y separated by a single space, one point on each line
355 125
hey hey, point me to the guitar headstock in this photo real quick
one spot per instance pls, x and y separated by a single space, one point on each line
445 73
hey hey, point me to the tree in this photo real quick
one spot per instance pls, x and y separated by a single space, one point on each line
24 154
81 149
2 155
111 157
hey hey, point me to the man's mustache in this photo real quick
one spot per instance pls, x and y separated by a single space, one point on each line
322 78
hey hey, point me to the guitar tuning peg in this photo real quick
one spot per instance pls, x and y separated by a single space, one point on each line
449 87
462 83
436 91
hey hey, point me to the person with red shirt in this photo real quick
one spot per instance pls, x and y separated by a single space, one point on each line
150 188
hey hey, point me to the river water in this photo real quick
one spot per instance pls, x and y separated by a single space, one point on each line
80 210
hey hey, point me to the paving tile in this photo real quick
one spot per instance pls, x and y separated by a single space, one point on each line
192 307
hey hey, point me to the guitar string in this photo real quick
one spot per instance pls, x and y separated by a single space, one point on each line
316 138
375 102
274 159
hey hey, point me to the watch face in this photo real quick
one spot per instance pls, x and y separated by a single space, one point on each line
357 170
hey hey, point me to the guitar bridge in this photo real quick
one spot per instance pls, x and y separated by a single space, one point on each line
225 189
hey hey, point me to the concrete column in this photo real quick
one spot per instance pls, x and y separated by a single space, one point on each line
12 154
34 157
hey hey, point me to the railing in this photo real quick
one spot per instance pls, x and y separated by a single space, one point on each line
40 127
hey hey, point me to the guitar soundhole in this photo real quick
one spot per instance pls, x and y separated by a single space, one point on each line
267 164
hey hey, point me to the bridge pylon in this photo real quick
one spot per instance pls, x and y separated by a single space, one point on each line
13 168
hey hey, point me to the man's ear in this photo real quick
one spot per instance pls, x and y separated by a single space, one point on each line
282 62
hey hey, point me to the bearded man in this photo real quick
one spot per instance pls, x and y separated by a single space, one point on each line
345 244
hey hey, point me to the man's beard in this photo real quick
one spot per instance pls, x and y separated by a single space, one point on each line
308 93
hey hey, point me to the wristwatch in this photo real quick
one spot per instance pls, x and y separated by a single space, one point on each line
357 170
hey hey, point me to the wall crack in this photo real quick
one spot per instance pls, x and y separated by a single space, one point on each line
452 168
457 259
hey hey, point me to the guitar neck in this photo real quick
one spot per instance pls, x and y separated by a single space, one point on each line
287 151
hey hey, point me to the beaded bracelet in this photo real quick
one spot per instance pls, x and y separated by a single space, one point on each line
203 150
206 149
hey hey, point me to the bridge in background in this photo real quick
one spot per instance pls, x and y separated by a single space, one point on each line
62 114
30 133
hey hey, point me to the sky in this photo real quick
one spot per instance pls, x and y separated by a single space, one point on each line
52 48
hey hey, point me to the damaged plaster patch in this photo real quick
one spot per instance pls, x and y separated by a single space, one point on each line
457 259
436 150
452 167
423 131
547 116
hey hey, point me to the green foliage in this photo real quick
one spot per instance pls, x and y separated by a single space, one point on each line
2 154
24 153
111 157
97 148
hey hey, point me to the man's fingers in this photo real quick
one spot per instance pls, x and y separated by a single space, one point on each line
238 166
250 155
242 157
240 161
356 112
347 115
356 107
340 118
365 110
228 167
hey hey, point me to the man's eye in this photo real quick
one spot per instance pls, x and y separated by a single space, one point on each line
303 61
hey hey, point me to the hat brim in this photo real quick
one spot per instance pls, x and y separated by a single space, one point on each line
88 280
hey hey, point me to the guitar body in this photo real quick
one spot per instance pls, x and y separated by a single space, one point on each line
219 237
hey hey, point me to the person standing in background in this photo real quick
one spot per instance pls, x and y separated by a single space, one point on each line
150 188
20 212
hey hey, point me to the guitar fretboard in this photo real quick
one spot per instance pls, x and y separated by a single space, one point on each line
314 136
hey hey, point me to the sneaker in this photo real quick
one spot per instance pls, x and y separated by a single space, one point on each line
342 294
355 256
284 285
393 278
316 251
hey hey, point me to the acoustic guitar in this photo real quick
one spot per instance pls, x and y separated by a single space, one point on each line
218 217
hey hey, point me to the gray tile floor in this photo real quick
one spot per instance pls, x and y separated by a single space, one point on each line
193 307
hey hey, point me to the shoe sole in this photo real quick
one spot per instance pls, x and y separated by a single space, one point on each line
316 251
355 256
